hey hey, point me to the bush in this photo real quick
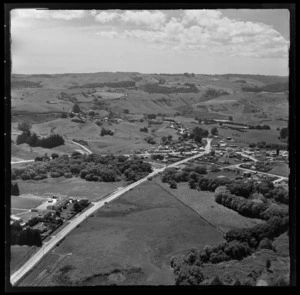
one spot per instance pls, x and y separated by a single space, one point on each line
15 189
55 174
145 129
68 175
150 140
173 184
54 155
64 115
106 132
265 243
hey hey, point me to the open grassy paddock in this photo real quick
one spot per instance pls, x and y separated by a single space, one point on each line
204 204
129 242
73 187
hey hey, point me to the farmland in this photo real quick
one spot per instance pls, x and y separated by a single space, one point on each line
75 187
129 241
204 204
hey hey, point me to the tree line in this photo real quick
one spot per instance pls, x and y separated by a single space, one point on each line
92 167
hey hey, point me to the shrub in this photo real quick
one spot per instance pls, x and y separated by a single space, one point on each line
15 189
68 175
55 174
216 281
54 155
173 184
265 243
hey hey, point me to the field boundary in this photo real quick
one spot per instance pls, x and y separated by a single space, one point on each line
212 224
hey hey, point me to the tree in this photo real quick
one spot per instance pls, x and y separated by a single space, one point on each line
64 115
230 118
216 281
214 131
15 189
54 155
76 108
284 133
126 111
268 264
173 184
25 127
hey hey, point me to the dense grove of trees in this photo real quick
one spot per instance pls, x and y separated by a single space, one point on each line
33 140
156 88
239 244
198 133
265 145
29 236
89 167
260 127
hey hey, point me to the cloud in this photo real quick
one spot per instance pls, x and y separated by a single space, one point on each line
104 17
140 18
47 14
209 30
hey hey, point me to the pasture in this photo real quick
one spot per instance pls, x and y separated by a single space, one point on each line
204 204
128 242
73 187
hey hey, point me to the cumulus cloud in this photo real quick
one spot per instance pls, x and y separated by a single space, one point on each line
209 30
104 17
152 19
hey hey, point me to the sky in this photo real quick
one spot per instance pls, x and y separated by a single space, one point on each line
244 41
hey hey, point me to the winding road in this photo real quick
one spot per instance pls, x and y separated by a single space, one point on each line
29 264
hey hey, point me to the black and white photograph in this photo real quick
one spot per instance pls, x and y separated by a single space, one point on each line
149 146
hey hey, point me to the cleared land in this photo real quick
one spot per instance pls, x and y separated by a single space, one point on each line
128 242
25 202
281 169
75 187
204 204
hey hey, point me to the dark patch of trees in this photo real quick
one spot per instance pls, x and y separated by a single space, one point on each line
198 133
33 140
15 189
260 127
28 236
214 131
284 133
150 140
214 93
106 132
76 108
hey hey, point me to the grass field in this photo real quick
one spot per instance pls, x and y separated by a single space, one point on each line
204 204
128 242
18 255
75 187
281 169
25 202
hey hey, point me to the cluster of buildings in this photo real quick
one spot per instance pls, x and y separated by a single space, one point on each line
50 215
